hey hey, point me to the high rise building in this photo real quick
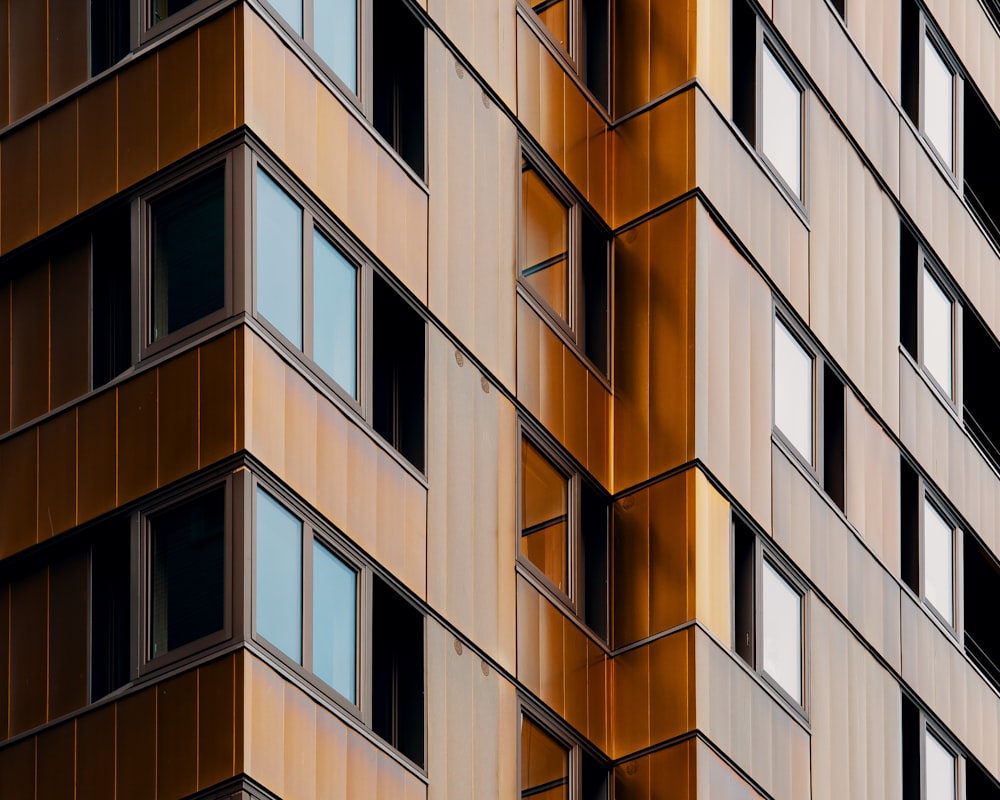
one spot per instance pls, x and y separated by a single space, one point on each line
577 399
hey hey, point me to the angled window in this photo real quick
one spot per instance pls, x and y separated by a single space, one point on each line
781 620
544 516
793 390
939 561
781 121
555 765
937 330
278 226
398 80
582 29
980 584
563 261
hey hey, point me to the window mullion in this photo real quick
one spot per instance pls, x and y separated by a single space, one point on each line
307 597
308 303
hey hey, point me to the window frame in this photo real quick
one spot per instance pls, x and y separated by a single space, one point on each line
926 265
928 496
571 330
929 727
576 746
573 600
929 35
146 28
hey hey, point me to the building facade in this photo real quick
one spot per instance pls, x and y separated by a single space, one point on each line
576 399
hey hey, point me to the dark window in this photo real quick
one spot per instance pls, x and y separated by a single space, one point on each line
110 571
908 261
188 253
911 750
187 572
981 588
981 364
978 783
582 28
398 80
555 766
833 436
981 173
111 293
910 64
744 602
397 671
838 6
745 70
594 559
909 533
398 372
594 288
109 33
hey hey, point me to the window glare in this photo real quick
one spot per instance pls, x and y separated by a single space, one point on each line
938 101
793 390
279 576
781 135
782 623
291 12
279 258
938 555
940 769
334 621
335 23
937 329
335 313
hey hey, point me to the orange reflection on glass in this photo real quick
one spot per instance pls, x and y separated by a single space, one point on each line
545 238
544 764
555 15
543 515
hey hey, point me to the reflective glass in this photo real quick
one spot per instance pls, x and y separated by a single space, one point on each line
938 562
279 258
781 118
334 621
938 102
782 623
544 515
793 390
544 764
940 775
279 576
544 242
291 12
335 23
335 314
937 329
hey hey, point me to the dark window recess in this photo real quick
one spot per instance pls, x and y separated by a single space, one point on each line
992 8
909 525
161 9
908 290
111 268
398 372
595 55
744 605
594 260
833 436
110 573
188 272
981 384
594 555
398 80
982 174
187 575
910 60
838 6
397 671
978 784
911 750
745 70
982 587
109 33
594 778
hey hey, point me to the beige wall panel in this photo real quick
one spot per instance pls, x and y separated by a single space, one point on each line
57 166
732 372
28 57
264 709
18 492
300 744
264 81
265 376
299 439
711 581
57 464
876 28
757 211
19 178
300 119
714 51
716 778
219 93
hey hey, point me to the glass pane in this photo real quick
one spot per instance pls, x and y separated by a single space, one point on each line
188 272
545 237
544 515
335 23
291 12
782 622
335 315
793 390
938 102
937 329
940 775
544 764
334 621
938 556
555 15
188 572
781 118
279 576
279 258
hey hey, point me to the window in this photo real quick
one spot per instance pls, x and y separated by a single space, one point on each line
111 295
767 98
316 308
307 607
564 533
937 323
980 131
187 572
582 29
930 761
980 585
398 80
767 614
110 625
188 253
109 33
555 767
563 261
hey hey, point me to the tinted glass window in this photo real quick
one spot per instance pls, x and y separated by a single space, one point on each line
291 11
544 515
544 764
940 774
279 576
279 258
334 621
544 241
335 326
335 23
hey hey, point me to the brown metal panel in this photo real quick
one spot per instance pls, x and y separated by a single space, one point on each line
301 143
331 462
632 780
575 395
98 148
97 453
575 643
631 55
528 379
300 744
630 580
362 163
29 614
671 46
177 93
267 405
30 344
217 77
136 745
137 446
68 633
19 178
5 333
577 134
17 770
57 175
4 659
95 753
5 65
529 51
551 351
176 744
216 721
70 323
18 492
28 56
551 93
300 436
178 423
217 399
57 763
671 150
331 769
68 26
362 486
137 129
266 726
630 149
552 656
670 679
668 540
598 667
630 689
